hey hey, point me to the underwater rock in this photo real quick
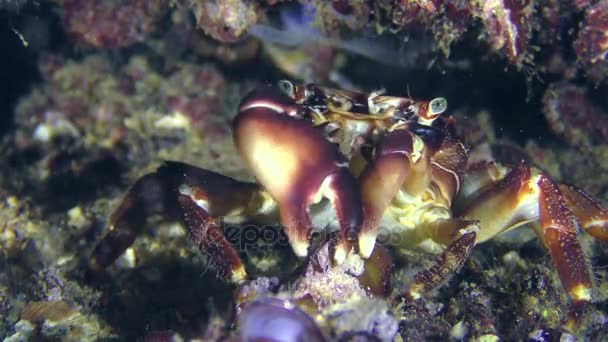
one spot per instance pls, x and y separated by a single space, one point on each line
591 45
89 119
573 116
508 27
367 316
327 283
92 101
339 17
225 21
112 23
163 336
52 312
5 307
23 332
95 122
12 5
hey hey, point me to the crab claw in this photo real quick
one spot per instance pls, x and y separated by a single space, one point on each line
297 166
380 183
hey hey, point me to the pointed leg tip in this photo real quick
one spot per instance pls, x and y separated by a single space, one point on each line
300 248
580 293
367 242
413 294
599 229
340 253
238 275
94 266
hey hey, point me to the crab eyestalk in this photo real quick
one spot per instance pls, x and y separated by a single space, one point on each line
431 110
298 166
296 92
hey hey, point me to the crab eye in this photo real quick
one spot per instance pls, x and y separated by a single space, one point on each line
437 106
287 88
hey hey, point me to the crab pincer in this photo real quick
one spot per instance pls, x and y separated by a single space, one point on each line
298 166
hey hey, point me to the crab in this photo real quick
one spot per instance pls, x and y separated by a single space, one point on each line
369 167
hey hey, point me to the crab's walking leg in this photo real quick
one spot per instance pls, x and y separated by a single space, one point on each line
559 232
588 212
593 219
210 239
195 197
298 167
144 199
525 194
447 264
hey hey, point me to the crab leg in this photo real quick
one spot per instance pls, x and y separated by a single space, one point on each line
446 264
588 212
143 199
209 238
194 196
524 195
298 167
559 232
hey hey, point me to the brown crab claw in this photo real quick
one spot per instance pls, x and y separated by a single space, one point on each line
298 167
380 183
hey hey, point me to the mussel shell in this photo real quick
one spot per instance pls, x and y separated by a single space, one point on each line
277 320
